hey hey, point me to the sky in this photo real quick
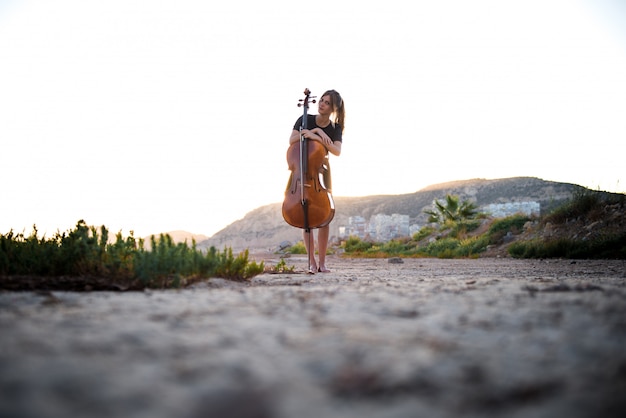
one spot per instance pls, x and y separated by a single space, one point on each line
155 116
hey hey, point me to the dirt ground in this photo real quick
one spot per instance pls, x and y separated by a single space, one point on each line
491 337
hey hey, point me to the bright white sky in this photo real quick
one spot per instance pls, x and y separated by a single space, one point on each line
156 116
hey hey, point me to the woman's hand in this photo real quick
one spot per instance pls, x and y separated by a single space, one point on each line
317 134
314 134
322 137
308 134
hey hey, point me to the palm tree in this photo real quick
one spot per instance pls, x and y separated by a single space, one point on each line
452 211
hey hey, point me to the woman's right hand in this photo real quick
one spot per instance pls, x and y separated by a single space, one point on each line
323 137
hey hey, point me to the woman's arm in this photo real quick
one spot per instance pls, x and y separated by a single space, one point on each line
334 147
295 137
318 135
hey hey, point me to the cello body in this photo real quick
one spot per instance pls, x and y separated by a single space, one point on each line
318 206
308 203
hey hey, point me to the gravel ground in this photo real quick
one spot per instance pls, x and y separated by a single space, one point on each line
421 338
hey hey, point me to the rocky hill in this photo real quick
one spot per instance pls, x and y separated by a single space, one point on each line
264 227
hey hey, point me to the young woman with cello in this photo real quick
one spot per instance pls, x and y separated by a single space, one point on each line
325 128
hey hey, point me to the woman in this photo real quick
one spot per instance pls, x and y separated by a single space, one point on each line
327 128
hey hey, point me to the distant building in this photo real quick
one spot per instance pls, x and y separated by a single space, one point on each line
385 227
382 227
502 210
356 227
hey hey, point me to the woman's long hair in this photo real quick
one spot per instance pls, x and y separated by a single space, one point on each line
339 108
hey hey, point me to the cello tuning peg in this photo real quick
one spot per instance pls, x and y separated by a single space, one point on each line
313 101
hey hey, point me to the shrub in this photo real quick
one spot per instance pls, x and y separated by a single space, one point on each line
297 248
471 247
281 267
582 202
238 268
514 223
500 227
423 233
443 248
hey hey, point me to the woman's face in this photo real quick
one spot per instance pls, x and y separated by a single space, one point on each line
325 106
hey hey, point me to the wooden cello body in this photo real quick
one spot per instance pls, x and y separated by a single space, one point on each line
308 203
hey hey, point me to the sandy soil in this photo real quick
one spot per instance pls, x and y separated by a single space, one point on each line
421 338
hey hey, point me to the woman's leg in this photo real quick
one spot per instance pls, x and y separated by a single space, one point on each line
309 244
322 245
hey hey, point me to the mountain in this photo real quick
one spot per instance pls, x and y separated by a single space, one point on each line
264 227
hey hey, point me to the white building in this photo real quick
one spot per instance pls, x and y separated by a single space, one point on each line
502 210
385 227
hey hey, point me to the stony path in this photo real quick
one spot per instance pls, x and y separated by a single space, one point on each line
425 338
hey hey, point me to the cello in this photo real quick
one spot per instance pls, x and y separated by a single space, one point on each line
308 203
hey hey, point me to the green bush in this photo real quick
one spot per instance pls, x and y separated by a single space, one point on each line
605 248
500 227
356 245
581 203
282 267
395 247
86 251
471 247
459 229
297 248
513 223
238 267
442 248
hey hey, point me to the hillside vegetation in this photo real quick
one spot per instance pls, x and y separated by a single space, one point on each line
590 225
265 229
